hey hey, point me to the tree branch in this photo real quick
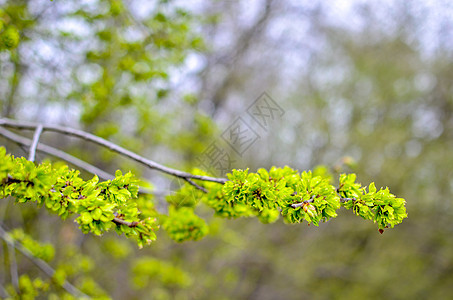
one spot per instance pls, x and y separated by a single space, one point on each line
347 199
295 205
15 80
48 270
34 144
3 292
68 158
56 153
120 221
196 185
109 145
343 200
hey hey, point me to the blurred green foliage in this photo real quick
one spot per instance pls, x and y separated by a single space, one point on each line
45 252
367 90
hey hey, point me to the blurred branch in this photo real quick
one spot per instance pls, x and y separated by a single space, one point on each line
234 54
14 85
196 185
3 292
13 266
34 144
257 28
48 270
111 146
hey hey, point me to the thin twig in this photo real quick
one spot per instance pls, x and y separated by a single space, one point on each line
48 270
347 199
295 205
3 292
34 144
109 145
119 221
312 198
196 185
123 222
57 153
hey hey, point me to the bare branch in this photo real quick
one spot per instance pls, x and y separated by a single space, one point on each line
48 270
34 144
109 145
69 158
56 153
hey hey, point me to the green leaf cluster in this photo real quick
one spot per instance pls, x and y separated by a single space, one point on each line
216 200
9 34
309 196
277 190
99 206
45 252
146 270
380 206
114 204
28 288
71 265
9 38
297 197
319 198
146 59
182 224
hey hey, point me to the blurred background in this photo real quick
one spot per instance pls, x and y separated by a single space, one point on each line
365 86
